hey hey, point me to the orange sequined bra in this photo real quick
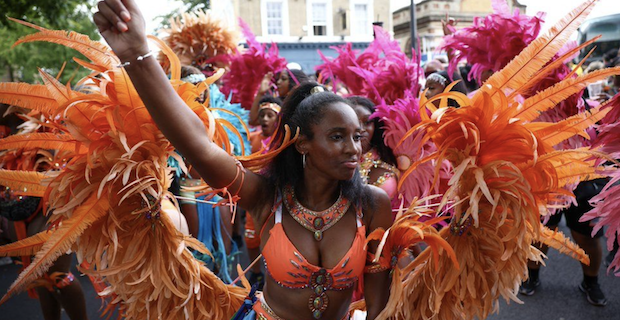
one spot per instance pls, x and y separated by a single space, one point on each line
290 269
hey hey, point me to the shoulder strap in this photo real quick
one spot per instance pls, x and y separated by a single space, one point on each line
278 210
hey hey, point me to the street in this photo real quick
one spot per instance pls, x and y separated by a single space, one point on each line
558 298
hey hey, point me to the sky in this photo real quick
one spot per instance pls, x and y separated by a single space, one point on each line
555 9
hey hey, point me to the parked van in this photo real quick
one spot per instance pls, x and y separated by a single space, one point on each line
609 29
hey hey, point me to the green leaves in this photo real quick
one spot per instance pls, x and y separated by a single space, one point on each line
21 63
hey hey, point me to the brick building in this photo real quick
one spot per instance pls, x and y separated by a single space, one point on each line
300 27
429 14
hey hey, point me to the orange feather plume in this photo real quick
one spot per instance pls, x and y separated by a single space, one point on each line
505 173
105 201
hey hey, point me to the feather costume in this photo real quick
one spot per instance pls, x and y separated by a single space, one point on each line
491 42
200 40
248 68
605 212
106 201
382 72
506 171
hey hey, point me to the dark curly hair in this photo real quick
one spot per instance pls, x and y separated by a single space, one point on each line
270 99
376 141
302 110
296 74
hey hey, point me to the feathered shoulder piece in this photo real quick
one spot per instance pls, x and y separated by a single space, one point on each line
491 42
606 212
201 40
382 72
247 68
107 201
506 172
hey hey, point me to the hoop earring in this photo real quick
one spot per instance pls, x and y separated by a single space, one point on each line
303 160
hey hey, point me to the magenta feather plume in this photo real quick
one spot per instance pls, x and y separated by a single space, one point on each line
338 68
606 213
398 118
248 68
491 42
609 129
606 204
382 72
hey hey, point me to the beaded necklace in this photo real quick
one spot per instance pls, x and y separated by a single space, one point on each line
370 162
315 221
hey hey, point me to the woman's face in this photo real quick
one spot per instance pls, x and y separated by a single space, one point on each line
335 149
283 83
267 119
368 126
433 88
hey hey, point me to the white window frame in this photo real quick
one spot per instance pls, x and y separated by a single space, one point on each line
285 19
330 17
370 12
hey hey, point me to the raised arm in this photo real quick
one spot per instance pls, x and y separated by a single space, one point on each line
122 25
448 26
262 90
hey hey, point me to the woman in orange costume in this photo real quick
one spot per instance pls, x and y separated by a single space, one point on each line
325 156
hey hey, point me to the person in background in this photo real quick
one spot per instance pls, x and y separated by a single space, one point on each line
437 82
609 57
432 67
289 79
268 119
378 166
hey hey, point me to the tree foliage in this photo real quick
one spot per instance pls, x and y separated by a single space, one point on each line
188 6
21 63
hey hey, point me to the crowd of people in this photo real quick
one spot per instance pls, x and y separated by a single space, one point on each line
327 179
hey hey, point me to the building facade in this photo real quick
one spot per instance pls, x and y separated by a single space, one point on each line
300 27
429 14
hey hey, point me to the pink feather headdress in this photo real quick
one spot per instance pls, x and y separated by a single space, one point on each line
491 42
247 69
385 75
381 73
606 211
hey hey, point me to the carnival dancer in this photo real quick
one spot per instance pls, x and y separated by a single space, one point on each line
122 224
377 166
328 146
505 34
500 154
58 288
505 171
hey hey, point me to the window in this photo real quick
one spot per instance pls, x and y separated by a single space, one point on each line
320 17
361 17
274 17
361 25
